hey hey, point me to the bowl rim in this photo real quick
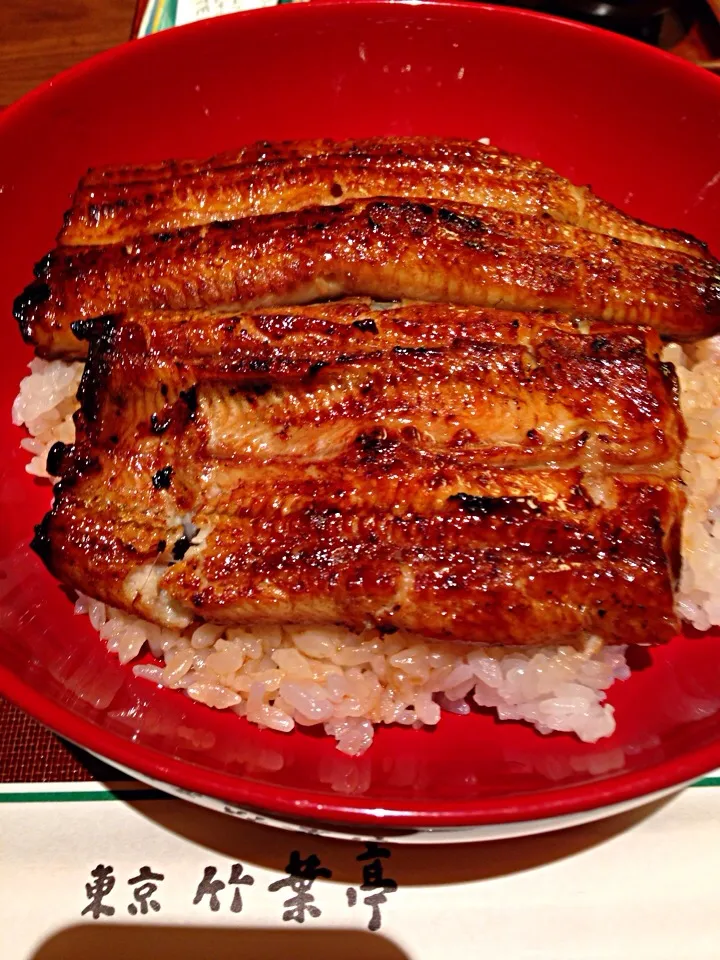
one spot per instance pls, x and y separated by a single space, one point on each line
301 803
356 811
318 8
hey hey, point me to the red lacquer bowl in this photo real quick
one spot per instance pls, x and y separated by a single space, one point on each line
642 127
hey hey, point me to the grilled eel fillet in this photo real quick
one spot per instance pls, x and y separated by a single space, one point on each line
114 205
387 248
470 474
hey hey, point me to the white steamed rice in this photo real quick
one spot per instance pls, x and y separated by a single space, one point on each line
698 370
45 405
278 677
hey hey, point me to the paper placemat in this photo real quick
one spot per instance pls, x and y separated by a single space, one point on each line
95 866
157 878
161 14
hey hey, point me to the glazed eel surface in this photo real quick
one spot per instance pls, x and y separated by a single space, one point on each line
387 248
467 473
116 204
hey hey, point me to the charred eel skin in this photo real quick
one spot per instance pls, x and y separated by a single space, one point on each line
467 473
386 248
117 204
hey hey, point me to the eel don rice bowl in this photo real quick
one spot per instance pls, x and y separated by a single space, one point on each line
414 300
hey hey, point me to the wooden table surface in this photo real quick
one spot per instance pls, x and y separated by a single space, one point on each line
38 38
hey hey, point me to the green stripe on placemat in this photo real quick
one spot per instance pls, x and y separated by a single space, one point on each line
149 793
62 796
707 782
